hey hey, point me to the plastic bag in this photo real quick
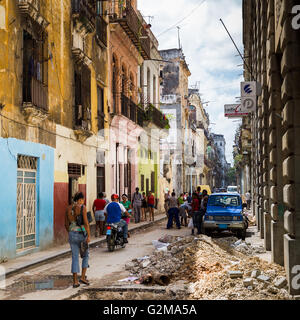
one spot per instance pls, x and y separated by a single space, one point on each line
191 224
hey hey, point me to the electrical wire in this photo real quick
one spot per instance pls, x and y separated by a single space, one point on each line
187 16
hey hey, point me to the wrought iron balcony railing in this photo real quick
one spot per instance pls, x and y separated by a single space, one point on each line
131 111
85 11
157 117
127 17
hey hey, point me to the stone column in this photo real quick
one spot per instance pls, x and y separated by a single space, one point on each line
290 66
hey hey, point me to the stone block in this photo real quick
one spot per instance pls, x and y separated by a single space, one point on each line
255 274
266 192
288 170
288 114
274 82
273 175
248 282
266 205
235 274
272 138
275 100
290 58
263 278
289 223
289 195
289 89
280 283
288 143
274 211
273 193
272 120
273 290
273 156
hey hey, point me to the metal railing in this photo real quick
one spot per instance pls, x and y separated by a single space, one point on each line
35 93
127 17
156 116
131 111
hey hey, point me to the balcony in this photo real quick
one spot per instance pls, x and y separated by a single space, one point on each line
133 26
157 117
35 101
82 123
131 111
31 8
101 31
84 12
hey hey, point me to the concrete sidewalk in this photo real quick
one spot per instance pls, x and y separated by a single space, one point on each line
26 262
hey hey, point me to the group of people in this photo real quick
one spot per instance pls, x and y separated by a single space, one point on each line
105 212
140 204
179 209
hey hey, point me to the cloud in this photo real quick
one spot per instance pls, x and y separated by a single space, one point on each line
209 52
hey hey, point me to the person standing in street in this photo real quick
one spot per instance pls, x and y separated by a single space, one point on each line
248 199
144 207
151 203
195 212
78 235
137 204
98 209
173 212
203 206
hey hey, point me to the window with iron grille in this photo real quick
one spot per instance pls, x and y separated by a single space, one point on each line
74 170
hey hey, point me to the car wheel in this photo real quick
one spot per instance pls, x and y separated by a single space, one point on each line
207 232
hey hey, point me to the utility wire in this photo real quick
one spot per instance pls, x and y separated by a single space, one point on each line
187 16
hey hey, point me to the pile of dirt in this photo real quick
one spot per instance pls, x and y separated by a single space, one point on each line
221 269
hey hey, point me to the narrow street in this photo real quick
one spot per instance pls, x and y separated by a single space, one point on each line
113 112
201 273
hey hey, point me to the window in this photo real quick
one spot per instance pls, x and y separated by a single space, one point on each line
35 71
154 90
99 7
153 181
100 110
83 97
142 182
100 179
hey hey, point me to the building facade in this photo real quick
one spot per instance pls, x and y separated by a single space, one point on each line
272 50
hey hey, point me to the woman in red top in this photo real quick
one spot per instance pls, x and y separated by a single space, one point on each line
98 209
150 202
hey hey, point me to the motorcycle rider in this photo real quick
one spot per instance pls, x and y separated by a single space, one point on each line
113 211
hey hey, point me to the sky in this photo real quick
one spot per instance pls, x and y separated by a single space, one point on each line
209 52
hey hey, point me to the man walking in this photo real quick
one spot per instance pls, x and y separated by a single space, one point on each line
173 212
248 199
137 204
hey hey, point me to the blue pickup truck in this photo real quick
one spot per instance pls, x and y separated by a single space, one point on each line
225 212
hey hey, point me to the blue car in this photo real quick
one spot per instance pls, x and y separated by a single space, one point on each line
225 212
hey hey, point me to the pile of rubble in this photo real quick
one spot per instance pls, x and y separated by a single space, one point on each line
241 246
204 268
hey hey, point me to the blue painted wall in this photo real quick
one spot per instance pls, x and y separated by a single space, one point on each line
9 151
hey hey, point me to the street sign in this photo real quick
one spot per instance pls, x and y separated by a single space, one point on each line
248 104
248 89
235 111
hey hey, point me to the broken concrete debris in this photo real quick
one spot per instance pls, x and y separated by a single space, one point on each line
205 268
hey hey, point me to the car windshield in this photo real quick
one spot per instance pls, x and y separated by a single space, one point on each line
224 201
232 189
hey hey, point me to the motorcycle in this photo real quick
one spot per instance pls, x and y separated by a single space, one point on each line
114 237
